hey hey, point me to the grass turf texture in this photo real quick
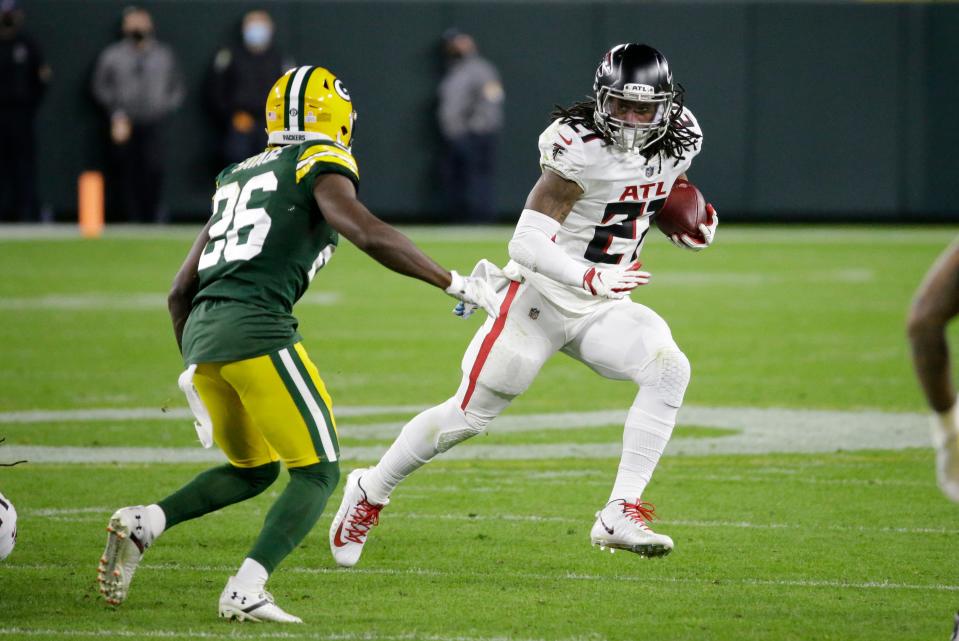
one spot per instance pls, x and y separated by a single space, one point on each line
850 545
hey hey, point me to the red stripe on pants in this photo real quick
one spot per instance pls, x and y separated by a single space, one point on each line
489 340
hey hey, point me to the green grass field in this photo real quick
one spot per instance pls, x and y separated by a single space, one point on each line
791 331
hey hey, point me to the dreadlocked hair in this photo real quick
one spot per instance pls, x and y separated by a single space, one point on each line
580 113
675 143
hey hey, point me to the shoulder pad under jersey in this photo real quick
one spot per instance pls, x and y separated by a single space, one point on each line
564 148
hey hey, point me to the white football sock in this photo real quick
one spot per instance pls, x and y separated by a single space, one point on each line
944 425
649 425
157 519
430 432
252 575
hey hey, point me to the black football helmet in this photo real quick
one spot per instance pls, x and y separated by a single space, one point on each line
633 73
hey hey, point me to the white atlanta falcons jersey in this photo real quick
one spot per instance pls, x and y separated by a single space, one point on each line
609 222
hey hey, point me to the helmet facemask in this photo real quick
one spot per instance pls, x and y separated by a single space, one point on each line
633 136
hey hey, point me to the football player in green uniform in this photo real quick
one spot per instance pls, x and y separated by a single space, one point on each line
255 392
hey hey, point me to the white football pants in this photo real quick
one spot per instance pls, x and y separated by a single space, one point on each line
621 340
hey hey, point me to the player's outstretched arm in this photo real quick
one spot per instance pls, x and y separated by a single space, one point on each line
547 206
185 283
336 197
935 304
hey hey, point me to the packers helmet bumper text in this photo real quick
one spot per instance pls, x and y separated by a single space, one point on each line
309 103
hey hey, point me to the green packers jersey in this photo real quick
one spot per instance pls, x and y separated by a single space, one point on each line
267 240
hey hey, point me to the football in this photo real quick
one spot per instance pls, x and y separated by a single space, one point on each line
683 212
8 527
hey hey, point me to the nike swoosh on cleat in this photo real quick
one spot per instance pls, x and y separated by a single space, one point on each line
605 527
337 541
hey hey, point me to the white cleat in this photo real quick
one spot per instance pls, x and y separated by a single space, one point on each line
947 461
352 522
622 525
239 603
129 536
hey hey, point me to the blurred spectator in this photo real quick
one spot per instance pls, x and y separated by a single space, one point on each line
239 80
470 117
137 82
23 80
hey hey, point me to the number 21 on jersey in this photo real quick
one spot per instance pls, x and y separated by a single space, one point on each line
241 230
598 250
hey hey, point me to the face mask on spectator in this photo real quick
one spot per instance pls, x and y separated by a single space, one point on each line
257 35
137 35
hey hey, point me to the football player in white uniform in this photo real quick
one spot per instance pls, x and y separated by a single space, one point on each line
8 527
936 303
608 165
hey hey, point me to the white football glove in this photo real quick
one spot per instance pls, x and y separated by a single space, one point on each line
473 293
614 283
685 241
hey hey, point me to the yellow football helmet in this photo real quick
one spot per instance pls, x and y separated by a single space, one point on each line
309 103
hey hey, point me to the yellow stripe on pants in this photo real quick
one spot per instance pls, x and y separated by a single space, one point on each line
255 417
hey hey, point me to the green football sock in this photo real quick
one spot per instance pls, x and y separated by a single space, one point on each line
295 512
216 488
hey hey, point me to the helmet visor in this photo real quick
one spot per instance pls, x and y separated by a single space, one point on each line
636 115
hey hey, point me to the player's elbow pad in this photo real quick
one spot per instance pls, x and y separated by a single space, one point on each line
532 232
521 253
532 247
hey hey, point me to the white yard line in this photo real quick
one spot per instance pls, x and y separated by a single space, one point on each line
758 431
96 414
235 634
54 512
763 279
86 301
604 478
803 480
459 575
679 522
94 513
69 232
176 413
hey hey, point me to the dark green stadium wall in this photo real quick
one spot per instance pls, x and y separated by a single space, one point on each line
814 110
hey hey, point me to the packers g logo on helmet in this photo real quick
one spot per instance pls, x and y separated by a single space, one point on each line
309 103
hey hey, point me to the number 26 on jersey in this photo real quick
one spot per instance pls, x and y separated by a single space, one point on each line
241 230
